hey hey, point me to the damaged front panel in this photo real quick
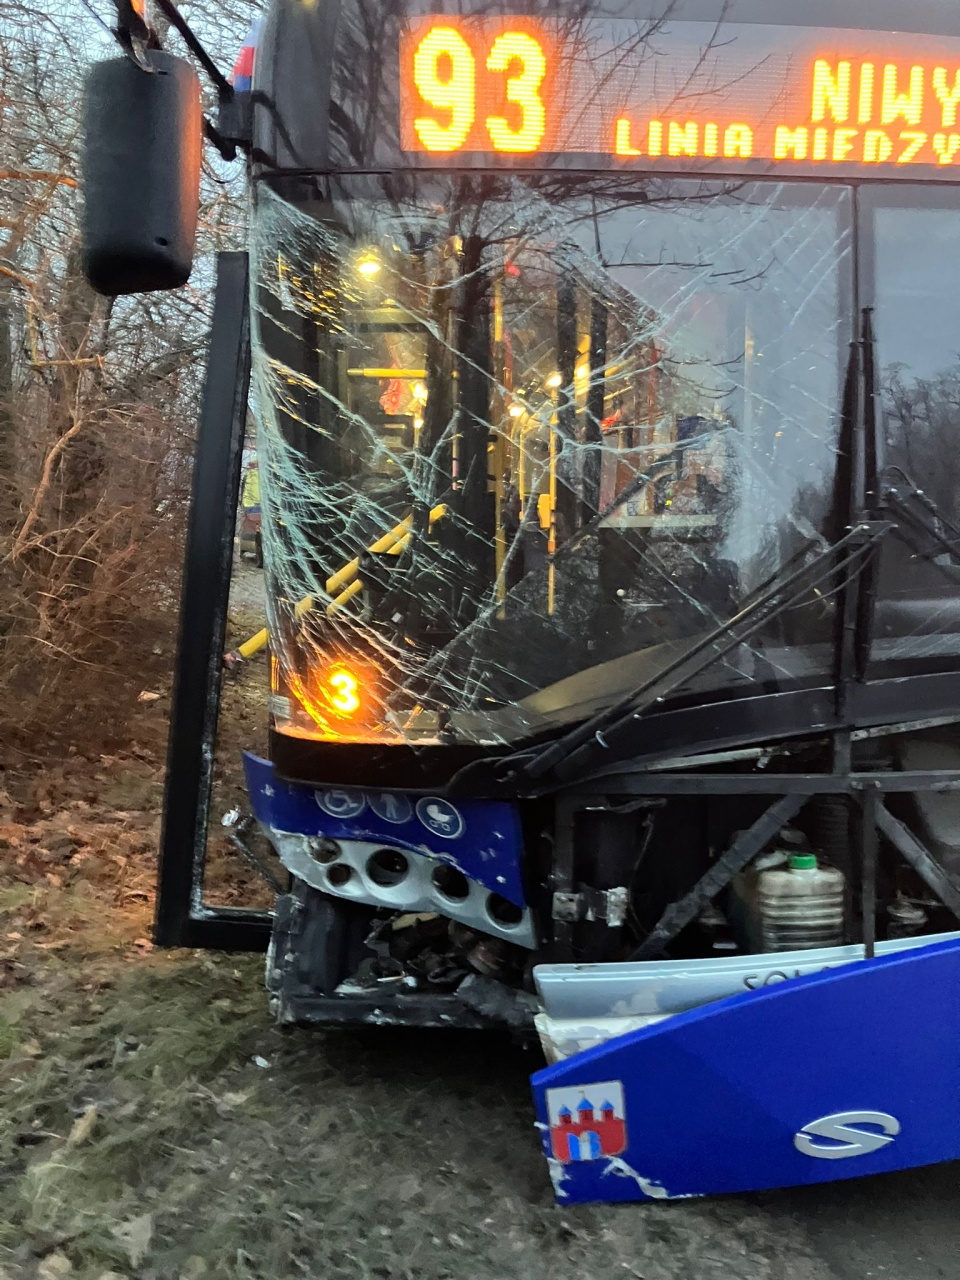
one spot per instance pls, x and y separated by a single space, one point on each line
765 1089
400 853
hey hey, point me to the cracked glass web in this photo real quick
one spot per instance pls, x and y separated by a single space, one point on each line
522 437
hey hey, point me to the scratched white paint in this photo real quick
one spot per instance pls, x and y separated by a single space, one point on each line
650 1187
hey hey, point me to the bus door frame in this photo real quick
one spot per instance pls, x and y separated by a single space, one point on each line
182 918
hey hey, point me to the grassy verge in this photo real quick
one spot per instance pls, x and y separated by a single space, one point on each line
106 1084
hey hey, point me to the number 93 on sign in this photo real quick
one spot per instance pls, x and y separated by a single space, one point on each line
480 94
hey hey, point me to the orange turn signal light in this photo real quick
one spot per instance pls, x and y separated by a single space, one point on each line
342 690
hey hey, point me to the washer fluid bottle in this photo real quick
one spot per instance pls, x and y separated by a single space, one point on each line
801 905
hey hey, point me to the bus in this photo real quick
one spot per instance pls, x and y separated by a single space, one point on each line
605 357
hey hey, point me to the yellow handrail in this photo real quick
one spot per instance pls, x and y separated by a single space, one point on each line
339 584
387 545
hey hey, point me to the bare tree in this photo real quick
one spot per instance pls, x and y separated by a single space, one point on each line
98 403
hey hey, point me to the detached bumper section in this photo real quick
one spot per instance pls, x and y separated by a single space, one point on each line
844 1072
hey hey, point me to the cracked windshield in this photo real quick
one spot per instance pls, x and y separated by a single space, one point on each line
518 437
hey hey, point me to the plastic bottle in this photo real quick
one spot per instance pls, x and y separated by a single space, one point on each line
801 906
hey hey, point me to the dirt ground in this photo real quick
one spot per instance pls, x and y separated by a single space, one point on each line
154 1124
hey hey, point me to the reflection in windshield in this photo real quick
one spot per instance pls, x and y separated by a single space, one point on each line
516 429
918 329
917 300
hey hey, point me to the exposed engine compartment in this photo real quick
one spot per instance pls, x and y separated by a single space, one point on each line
694 867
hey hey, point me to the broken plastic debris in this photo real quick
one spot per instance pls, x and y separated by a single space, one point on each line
135 1236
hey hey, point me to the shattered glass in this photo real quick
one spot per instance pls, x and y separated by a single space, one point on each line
522 437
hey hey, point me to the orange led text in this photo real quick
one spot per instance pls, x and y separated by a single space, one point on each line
519 86
445 76
341 689
864 114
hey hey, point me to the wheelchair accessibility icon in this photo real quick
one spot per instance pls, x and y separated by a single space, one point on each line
341 804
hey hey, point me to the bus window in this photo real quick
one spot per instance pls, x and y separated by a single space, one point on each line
912 279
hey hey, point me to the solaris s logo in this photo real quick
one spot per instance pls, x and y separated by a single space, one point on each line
844 1135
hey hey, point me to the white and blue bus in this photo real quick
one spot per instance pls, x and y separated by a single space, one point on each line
606 360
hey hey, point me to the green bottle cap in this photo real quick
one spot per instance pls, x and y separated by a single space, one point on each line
803 862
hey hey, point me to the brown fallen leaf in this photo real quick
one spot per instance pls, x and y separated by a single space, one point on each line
147 696
83 1127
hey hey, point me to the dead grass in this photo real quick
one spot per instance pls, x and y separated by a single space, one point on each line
221 1148
135 1051
154 1124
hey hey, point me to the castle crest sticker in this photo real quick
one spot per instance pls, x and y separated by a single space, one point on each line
587 1122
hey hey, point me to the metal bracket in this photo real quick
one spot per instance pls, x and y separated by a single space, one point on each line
919 857
609 905
745 847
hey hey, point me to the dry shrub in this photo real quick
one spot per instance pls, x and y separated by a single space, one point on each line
90 565
98 406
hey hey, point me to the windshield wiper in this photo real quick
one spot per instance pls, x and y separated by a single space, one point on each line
575 752
848 559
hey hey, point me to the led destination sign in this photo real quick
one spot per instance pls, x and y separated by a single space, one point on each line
741 97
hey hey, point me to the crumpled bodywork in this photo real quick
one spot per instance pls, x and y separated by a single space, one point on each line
595 459
399 853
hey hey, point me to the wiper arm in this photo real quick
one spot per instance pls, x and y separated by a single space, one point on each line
924 521
575 752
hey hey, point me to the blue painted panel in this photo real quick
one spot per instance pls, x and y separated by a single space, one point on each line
722 1098
480 837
